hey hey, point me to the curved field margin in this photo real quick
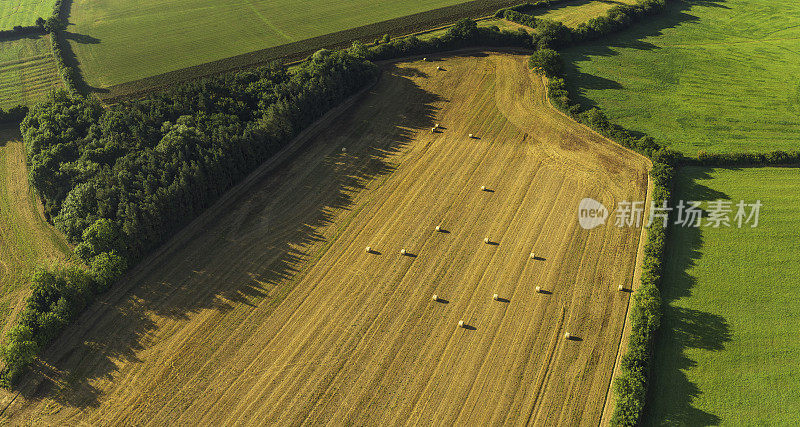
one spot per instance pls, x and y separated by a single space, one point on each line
268 309
26 239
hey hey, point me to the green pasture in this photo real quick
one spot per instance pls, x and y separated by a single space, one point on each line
572 13
729 344
28 71
713 75
118 41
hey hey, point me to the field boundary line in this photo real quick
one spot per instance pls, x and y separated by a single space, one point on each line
609 403
546 374
637 272
297 51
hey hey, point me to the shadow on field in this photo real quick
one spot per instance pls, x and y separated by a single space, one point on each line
242 256
671 393
68 54
635 37
16 36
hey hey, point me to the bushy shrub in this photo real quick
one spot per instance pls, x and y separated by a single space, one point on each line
740 159
547 62
58 297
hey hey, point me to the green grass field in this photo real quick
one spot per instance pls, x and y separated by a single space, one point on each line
572 13
28 71
23 12
25 238
729 344
117 41
719 76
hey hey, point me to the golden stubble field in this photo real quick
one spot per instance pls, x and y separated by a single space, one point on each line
267 309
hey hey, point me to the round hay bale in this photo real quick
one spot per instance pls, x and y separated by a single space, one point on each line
533 255
486 240
496 297
483 188
435 298
368 249
620 288
538 289
438 228
433 130
424 59
470 135
344 149
402 251
567 336
436 126
460 323
438 68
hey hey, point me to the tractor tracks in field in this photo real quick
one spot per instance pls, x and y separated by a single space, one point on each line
533 414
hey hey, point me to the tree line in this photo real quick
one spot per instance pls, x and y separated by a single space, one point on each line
119 181
54 25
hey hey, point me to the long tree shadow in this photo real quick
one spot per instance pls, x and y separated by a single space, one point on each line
671 394
246 251
580 83
68 54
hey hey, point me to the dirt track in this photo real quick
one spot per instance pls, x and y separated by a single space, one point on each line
268 309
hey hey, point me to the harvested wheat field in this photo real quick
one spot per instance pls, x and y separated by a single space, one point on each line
269 309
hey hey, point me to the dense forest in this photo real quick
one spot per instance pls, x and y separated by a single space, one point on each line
118 181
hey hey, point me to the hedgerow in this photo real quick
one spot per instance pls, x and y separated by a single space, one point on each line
617 18
630 386
556 35
69 72
777 158
519 18
527 7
